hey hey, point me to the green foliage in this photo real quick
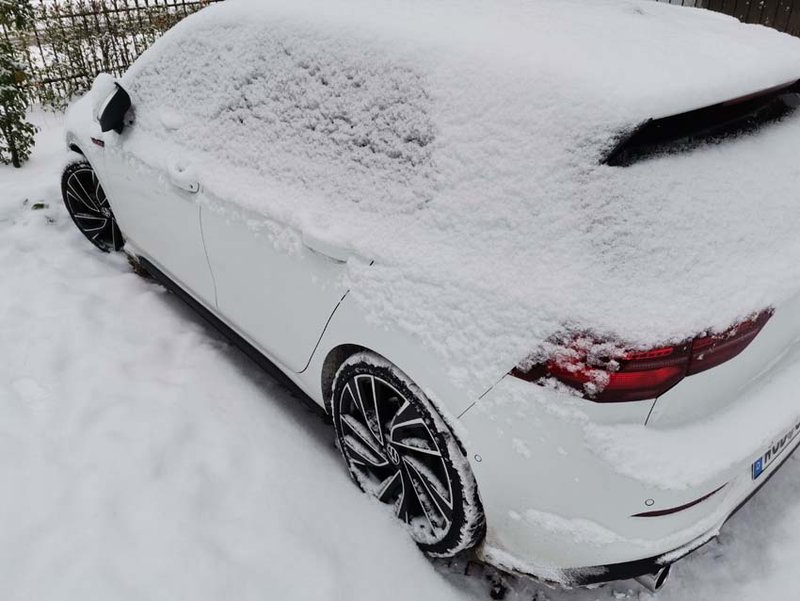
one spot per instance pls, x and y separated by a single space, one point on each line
52 51
16 133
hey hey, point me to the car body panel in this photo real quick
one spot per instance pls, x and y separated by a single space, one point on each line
553 505
158 217
703 394
278 291
348 326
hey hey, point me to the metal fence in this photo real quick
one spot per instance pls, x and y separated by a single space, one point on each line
783 15
74 40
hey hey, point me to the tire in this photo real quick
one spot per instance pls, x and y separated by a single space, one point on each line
88 207
412 462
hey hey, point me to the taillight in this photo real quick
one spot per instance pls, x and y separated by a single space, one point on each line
712 350
605 372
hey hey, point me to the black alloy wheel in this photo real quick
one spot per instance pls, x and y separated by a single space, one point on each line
88 206
399 450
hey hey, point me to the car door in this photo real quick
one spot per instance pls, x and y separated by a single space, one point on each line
279 296
155 202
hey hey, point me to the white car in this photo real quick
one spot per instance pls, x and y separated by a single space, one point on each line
538 261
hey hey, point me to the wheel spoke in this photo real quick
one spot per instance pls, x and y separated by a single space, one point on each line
91 223
363 453
409 506
412 423
358 414
375 408
417 449
78 203
363 434
82 195
435 500
369 405
420 501
355 403
98 191
390 489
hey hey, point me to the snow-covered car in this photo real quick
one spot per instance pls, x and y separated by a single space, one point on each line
539 261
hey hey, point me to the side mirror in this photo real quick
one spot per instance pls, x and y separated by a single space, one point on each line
112 112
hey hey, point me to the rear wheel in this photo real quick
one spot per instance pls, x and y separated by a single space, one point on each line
398 449
88 206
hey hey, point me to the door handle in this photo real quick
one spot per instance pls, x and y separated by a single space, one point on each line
326 248
184 177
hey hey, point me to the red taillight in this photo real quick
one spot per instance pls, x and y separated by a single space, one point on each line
710 351
606 373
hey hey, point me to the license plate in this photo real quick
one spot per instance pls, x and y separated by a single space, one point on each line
774 451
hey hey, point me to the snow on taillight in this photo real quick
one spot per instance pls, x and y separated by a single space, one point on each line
712 350
607 372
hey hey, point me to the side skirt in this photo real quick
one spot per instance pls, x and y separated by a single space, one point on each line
243 345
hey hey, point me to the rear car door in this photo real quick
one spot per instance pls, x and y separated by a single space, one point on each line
278 296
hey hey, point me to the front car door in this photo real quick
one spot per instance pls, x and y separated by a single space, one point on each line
159 219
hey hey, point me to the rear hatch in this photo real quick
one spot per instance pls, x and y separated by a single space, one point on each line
712 391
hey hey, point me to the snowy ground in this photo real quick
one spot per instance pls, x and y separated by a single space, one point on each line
141 457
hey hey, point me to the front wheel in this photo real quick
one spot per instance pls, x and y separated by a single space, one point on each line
399 449
88 206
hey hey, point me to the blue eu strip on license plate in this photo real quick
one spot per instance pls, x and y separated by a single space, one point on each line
774 451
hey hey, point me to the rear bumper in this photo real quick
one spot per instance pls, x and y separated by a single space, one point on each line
561 509
650 565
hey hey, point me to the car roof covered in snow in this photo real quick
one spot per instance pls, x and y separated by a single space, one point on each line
459 145
630 59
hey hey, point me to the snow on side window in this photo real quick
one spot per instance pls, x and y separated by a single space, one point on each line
334 118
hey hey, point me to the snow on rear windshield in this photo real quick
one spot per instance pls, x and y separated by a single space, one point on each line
298 112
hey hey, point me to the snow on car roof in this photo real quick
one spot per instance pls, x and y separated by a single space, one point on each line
458 144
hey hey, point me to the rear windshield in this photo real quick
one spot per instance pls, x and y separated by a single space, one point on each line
710 124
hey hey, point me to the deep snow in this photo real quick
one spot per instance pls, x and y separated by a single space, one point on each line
141 457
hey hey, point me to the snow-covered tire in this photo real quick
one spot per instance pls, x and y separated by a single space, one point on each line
394 442
87 205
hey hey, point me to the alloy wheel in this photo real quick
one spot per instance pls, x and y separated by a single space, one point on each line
395 455
88 206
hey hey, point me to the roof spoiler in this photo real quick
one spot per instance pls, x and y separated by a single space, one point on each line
712 123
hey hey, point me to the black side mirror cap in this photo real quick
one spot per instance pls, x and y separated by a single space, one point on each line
112 112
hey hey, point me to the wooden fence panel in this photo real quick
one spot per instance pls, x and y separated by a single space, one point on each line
783 15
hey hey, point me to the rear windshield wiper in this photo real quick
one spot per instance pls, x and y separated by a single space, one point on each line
709 124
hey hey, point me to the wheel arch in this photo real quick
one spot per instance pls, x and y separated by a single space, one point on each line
349 332
331 364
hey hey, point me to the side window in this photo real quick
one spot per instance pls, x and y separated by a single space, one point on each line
352 124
